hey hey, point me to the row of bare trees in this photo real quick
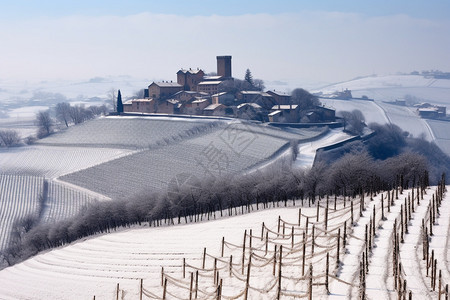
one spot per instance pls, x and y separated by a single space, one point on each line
194 197
66 114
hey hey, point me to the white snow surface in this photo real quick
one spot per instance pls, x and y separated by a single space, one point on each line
307 151
95 266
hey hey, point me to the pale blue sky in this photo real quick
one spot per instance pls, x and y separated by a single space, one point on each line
322 41
415 8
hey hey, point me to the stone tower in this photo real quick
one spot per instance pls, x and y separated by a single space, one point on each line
224 66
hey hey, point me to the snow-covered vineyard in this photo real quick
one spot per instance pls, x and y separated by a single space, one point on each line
389 245
22 196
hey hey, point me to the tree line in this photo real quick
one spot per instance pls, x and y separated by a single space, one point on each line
65 114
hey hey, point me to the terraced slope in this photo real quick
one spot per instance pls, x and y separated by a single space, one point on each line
222 151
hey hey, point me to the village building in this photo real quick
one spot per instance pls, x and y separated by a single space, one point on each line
210 87
285 114
319 114
249 111
170 106
189 79
223 98
187 96
280 97
214 110
140 106
196 107
163 90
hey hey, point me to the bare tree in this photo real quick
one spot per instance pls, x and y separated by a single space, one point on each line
79 114
9 138
354 121
63 112
112 97
304 99
45 123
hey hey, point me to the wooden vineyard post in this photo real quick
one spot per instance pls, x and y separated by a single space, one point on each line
231 265
267 241
219 290
307 225
279 273
243 252
215 271
247 282
338 248
434 274
262 231
326 273
401 224
162 276
389 201
382 208
373 223
406 216
326 219
250 240
279 224
310 279
117 292
351 212
431 224
318 205
292 237
304 254
223 246
299 216
184 267
141 289
190 286
204 258
164 289
440 284
274 260
196 284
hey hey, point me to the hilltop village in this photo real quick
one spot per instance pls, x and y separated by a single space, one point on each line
196 93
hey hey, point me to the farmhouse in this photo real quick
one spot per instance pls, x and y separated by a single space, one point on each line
163 90
140 106
285 113
280 97
214 110
223 98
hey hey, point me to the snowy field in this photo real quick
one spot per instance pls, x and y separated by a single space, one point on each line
372 112
391 88
226 151
441 131
112 265
52 162
20 196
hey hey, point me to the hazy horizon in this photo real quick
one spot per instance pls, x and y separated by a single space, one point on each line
288 41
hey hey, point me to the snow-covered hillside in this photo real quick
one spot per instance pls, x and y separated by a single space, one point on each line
394 87
112 265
